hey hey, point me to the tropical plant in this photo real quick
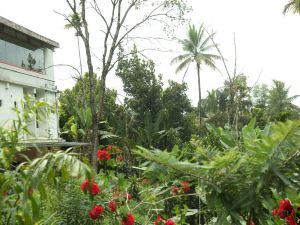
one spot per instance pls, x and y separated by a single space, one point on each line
238 184
196 49
280 106
293 6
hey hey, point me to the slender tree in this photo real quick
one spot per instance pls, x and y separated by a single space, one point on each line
116 27
197 49
293 6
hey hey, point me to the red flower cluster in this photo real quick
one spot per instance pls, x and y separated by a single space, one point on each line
160 221
103 155
112 206
96 212
286 211
170 222
128 220
184 187
106 153
92 187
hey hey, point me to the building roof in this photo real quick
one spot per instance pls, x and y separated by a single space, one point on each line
28 32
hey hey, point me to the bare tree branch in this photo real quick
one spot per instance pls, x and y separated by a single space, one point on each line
235 57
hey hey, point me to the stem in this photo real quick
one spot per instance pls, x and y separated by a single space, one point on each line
199 205
199 92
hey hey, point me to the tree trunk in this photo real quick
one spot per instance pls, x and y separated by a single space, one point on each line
92 92
199 92
102 95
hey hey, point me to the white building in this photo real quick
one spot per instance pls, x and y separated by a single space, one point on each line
26 68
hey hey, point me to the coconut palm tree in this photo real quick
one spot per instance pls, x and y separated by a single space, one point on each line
196 49
293 6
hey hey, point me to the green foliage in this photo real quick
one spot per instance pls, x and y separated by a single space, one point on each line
280 107
155 117
238 184
22 188
273 104
229 105
75 111
292 5
141 85
177 110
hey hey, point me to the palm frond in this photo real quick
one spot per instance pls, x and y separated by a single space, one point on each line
207 48
193 36
204 43
201 32
293 6
184 64
180 58
212 56
185 73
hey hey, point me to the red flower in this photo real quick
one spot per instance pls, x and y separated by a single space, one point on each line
185 186
129 220
285 205
174 190
120 158
170 222
158 220
103 155
279 213
84 185
92 187
96 212
112 206
290 220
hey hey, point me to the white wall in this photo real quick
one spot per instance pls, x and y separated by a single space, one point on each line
53 128
16 82
24 77
47 128
9 94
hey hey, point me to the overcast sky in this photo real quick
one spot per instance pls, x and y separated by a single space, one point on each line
267 41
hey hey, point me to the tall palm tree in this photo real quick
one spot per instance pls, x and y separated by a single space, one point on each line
292 5
196 49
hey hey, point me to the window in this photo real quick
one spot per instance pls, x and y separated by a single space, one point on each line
0 102
32 59
15 104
